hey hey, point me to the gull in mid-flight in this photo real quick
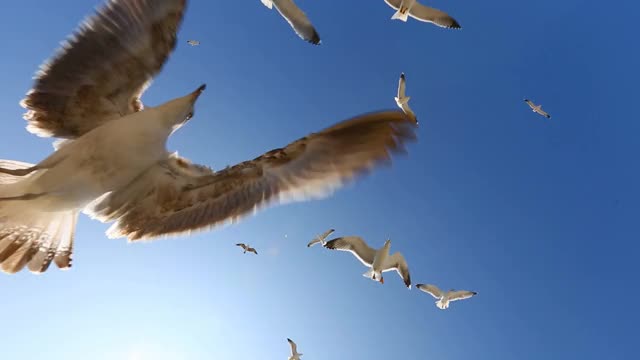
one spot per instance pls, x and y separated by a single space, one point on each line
320 238
402 100
247 248
378 261
294 350
445 297
296 18
111 161
406 8
193 42
537 109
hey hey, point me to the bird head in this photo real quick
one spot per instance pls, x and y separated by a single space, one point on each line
178 111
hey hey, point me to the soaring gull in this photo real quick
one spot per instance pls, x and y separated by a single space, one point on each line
445 297
296 18
111 161
247 248
537 108
320 239
295 355
378 261
402 100
406 8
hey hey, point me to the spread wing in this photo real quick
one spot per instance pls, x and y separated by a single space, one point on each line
394 3
101 71
320 238
530 103
298 20
399 264
401 86
176 196
543 113
460 295
354 245
431 290
435 16
243 246
253 250
294 347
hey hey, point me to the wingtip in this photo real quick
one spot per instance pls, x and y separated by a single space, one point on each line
315 38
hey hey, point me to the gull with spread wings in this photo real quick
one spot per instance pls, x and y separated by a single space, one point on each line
402 100
295 355
378 261
406 8
298 20
246 248
537 108
444 298
320 239
111 161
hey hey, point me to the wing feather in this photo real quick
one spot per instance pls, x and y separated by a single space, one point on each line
356 246
176 196
431 290
399 264
298 20
437 17
101 71
460 295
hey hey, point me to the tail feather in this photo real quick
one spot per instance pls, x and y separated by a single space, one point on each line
400 16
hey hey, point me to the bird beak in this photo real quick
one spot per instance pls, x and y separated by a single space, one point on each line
198 91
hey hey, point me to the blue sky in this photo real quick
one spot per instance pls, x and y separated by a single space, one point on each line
535 215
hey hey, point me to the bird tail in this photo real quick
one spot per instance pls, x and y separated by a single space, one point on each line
400 16
28 236
368 274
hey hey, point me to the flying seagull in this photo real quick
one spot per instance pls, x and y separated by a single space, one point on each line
294 350
320 238
537 108
193 42
402 100
112 162
445 297
378 261
296 18
406 8
247 248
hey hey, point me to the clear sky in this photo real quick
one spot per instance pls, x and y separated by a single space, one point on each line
539 216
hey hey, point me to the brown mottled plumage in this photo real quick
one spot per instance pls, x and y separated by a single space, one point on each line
100 73
171 199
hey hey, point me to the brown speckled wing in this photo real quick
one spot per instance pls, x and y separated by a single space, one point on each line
101 71
175 196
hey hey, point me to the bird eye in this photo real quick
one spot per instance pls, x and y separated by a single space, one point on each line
189 116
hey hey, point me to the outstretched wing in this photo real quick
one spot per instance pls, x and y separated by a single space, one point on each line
401 86
101 71
298 20
395 4
434 16
460 295
320 238
530 103
175 196
354 245
431 290
399 264
294 347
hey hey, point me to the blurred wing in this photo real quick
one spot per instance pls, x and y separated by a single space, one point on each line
435 16
242 245
294 347
401 86
394 3
530 103
460 295
298 20
176 196
543 113
431 290
101 71
354 245
399 264
252 250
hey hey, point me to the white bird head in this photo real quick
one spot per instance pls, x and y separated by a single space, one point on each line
178 111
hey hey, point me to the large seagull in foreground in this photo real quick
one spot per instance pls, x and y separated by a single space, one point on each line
112 162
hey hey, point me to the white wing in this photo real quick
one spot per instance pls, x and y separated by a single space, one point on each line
267 3
435 16
543 113
298 20
401 86
399 264
431 290
460 295
175 196
395 4
294 347
530 103
320 238
354 245
100 73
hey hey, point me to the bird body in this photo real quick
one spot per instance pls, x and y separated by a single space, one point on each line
193 42
537 108
444 298
411 8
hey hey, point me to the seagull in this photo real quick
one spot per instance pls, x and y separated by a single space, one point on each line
320 238
111 161
445 298
294 350
296 18
537 108
193 42
246 248
406 8
402 100
378 261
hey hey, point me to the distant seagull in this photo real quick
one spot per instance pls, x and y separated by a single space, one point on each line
247 248
294 350
402 100
378 261
420 12
537 108
296 18
445 298
320 238
193 42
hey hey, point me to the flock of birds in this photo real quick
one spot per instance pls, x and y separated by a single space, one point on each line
110 160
